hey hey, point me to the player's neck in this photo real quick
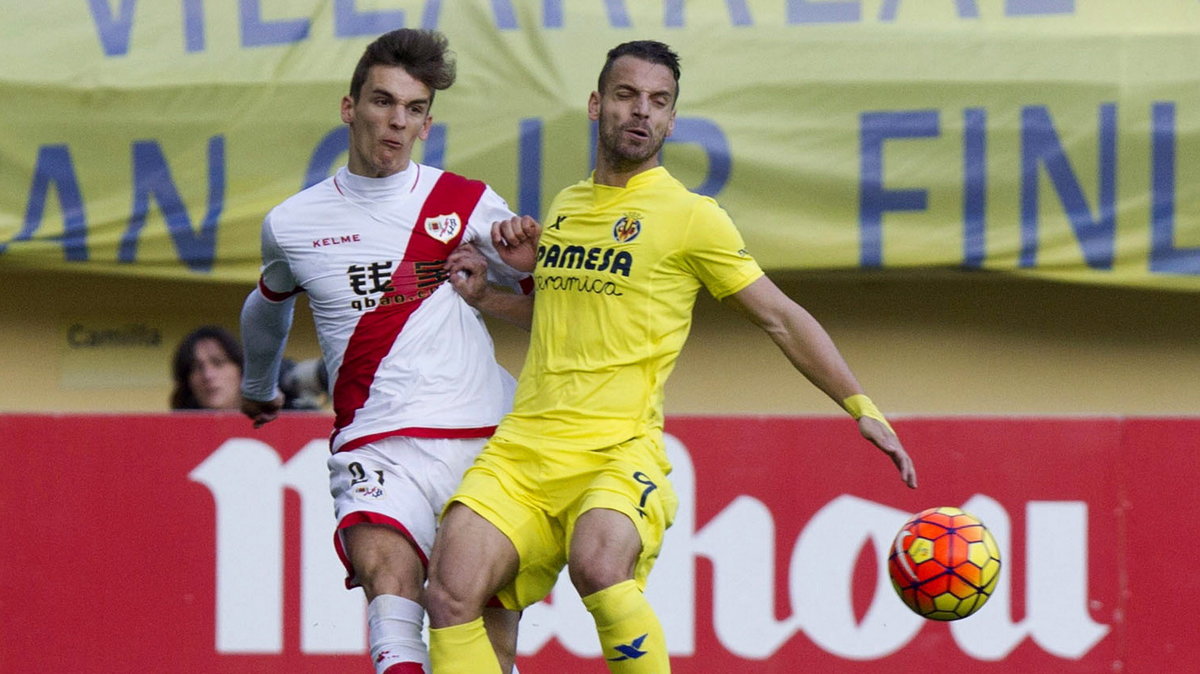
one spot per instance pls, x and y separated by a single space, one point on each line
607 173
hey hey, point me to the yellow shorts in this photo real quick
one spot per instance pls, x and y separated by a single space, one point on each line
535 497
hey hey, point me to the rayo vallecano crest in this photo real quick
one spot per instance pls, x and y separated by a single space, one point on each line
627 227
443 227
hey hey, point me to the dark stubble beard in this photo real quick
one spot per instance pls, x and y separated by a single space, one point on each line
623 157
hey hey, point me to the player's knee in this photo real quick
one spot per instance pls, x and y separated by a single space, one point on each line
449 605
379 580
592 574
385 563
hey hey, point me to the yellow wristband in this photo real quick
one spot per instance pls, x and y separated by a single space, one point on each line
859 405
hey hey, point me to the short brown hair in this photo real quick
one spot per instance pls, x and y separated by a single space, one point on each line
424 54
647 50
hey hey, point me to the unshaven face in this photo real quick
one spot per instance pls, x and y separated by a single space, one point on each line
636 113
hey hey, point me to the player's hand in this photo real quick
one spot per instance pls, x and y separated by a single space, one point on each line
515 239
468 273
262 411
882 437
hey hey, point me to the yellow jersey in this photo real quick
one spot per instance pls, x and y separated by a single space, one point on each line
618 269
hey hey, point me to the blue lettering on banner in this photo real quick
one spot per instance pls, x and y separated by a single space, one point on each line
529 167
55 168
348 21
1041 150
873 198
974 186
708 135
193 25
1040 145
1164 256
152 178
967 9
321 164
114 26
257 32
1034 7
114 31
821 11
739 13
435 146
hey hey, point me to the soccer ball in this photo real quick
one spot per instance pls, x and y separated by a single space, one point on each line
944 564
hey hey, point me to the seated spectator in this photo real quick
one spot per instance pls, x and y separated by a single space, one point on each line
207 370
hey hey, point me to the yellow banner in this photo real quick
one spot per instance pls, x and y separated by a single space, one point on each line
1050 137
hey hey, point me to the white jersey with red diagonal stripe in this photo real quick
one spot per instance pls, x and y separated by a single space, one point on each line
406 355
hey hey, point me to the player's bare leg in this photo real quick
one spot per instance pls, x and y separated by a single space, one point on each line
501 625
392 576
604 551
471 561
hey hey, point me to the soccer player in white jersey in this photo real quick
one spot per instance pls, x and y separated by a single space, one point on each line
415 386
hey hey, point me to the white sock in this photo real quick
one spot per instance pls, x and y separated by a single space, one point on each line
394 632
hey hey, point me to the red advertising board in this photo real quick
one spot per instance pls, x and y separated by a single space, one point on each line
192 542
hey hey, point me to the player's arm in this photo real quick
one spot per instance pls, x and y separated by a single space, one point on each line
468 274
264 325
266 320
811 350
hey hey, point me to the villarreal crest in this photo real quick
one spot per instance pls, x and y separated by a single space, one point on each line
627 228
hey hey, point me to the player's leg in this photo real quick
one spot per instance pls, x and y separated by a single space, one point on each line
501 626
392 575
615 535
385 531
455 457
471 561
605 548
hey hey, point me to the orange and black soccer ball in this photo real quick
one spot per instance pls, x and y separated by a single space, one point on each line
944 564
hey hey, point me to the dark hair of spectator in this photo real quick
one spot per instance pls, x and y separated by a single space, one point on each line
182 397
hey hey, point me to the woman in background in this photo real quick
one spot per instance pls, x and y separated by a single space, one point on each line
207 371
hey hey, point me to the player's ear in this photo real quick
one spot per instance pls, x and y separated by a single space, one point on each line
425 126
594 106
671 124
347 109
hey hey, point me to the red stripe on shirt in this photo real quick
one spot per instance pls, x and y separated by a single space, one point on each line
421 432
378 329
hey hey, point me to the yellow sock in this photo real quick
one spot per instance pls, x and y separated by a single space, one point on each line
631 637
462 649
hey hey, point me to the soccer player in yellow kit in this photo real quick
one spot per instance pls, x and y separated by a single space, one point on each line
576 473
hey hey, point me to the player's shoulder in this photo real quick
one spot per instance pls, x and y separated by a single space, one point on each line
445 178
674 196
306 198
579 191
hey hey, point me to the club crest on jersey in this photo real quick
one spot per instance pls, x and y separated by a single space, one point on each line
627 228
443 227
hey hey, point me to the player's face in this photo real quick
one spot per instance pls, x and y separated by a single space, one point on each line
215 379
636 113
390 115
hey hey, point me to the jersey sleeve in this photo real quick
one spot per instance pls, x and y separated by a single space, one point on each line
491 208
276 281
266 319
264 325
716 253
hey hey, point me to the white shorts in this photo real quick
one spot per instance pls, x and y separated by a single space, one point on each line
398 481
